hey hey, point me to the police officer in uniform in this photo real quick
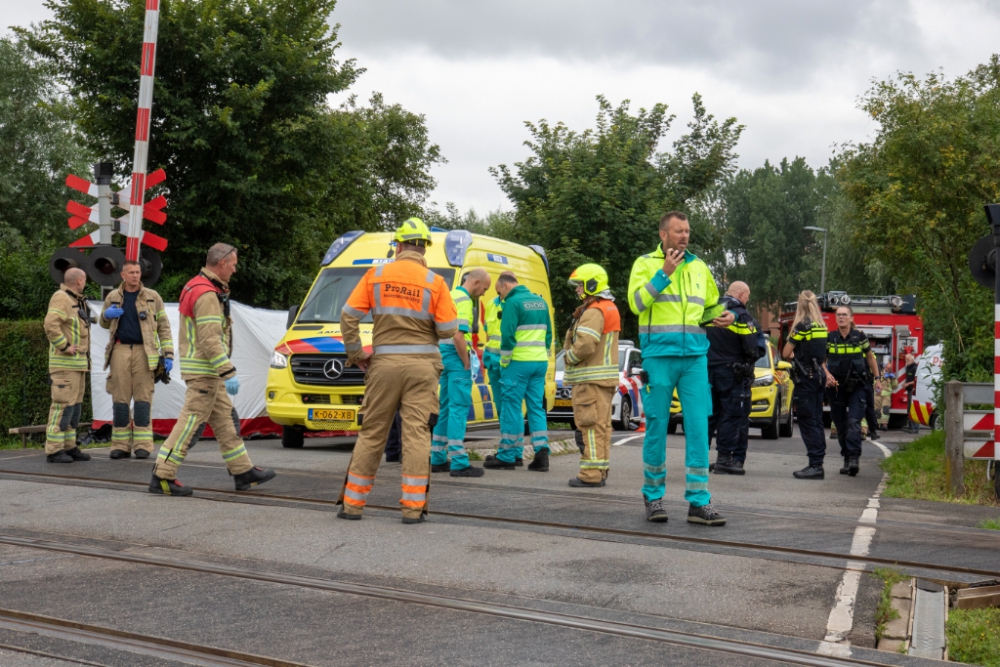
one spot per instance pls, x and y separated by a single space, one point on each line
806 347
206 332
412 310
67 326
139 335
850 359
732 352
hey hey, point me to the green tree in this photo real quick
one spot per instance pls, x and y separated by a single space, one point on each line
253 154
38 147
918 189
598 195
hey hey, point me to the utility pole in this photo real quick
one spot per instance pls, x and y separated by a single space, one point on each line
822 279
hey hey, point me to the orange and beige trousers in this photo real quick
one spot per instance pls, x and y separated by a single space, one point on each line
407 383
205 403
130 379
592 414
68 388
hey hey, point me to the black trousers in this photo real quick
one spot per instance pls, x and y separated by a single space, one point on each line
808 398
847 410
870 415
730 420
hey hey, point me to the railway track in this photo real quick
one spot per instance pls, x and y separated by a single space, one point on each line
213 657
256 497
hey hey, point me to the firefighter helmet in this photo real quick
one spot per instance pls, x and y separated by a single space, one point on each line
413 231
593 278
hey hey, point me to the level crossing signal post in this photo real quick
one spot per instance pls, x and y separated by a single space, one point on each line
983 265
104 262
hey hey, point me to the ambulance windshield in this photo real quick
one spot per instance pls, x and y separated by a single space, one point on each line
333 288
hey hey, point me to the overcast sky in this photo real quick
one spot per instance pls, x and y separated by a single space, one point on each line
790 71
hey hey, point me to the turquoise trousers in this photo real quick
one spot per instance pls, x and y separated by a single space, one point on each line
492 365
455 397
522 381
689 375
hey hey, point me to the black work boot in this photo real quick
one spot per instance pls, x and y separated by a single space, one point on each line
847 466
341 514
493 463
519 462
809 472
873 435
468 471
78 454
441 467
168 487
706 515
852 466
578 483
411 520
59 457
119 454
722 458
729 466
655 511
541 461
252 477
140 454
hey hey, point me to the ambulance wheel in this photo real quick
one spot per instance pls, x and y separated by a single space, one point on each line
770 432
292 437
672 428
625 423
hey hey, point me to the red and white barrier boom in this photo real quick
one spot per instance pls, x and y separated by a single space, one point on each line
137 199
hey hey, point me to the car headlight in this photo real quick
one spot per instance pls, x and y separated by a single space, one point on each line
763 380
278 360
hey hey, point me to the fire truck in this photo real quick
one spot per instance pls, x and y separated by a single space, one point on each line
892 325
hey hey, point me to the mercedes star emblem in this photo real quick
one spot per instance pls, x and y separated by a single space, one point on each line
333 369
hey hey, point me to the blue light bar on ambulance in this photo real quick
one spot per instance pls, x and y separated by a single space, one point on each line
541 251
340 245
456 244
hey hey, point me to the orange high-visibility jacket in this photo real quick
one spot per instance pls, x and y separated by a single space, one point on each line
411 307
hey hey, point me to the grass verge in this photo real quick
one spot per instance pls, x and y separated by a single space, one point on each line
990 524
974 636
917 472
884 611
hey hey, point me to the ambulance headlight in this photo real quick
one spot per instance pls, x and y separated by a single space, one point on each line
278 360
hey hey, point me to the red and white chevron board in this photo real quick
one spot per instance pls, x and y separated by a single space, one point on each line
143 115
149 238
979 449
82 214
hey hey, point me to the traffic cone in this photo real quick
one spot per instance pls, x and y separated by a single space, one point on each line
642 423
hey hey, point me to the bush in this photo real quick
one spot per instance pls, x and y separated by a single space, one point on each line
24 393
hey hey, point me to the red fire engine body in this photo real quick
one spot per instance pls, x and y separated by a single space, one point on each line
891 323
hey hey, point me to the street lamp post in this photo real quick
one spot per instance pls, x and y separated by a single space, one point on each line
822 276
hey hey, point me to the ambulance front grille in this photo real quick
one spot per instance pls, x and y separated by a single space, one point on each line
313 369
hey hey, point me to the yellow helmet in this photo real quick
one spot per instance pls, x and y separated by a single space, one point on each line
413 231
593 278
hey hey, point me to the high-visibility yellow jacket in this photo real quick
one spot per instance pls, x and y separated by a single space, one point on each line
526 328
156 336
592 346
206 331
491 323
670 308
67 322
463 307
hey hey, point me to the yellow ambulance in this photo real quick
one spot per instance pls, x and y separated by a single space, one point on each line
309 385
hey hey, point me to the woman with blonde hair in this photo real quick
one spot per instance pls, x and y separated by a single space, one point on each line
807 346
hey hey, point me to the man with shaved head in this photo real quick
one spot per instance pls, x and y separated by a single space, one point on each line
67 326
460 365
732 352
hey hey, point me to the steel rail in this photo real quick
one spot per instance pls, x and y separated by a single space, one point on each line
196 654
248 497
577 622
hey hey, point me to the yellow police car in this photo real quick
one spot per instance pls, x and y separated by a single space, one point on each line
771 396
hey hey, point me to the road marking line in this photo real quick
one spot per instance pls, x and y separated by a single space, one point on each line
841 620
624 440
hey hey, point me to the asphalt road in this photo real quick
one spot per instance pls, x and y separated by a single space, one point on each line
720 593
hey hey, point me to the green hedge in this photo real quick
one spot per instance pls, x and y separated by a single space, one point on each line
24 394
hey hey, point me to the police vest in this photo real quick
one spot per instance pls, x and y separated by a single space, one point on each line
846 354
737 343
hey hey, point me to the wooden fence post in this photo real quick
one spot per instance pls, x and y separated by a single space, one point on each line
954 437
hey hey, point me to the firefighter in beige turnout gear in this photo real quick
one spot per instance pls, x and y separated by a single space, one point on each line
67 326
206 333
139 335
592 370
412 310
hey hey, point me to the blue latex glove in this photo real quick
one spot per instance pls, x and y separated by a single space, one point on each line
233 386
169 363
113 313
474 365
